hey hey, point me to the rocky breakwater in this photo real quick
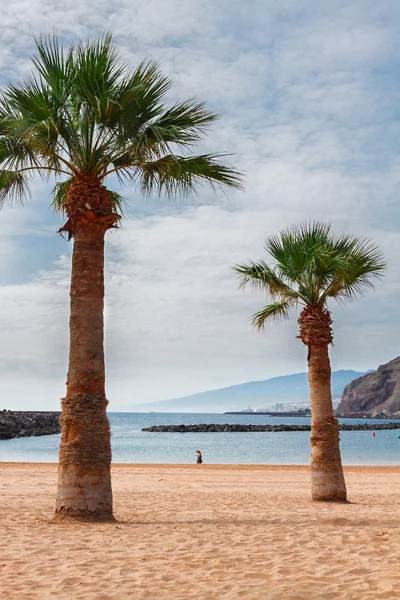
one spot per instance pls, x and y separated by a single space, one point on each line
233 428
25 424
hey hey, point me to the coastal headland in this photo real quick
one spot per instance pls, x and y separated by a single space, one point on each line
204 532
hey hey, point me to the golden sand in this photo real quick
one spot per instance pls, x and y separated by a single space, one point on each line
203 532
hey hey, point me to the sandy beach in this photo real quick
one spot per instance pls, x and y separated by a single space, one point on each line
203 532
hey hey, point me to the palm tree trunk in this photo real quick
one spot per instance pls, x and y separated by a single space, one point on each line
327 479
84 481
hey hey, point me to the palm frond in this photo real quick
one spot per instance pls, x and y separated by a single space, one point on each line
263 278
60 193
274 311
119 202
14 186
310 266
294 248
183 124
36 117
52 66
363 265
177 174
83 113
137 100
16 153
323 264
96 70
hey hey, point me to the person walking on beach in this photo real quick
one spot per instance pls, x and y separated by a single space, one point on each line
199 458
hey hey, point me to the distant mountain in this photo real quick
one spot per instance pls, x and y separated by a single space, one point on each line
289 388
378 391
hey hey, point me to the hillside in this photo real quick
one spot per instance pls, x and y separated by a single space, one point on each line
289 388
378 391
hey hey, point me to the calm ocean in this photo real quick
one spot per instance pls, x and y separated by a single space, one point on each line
131 445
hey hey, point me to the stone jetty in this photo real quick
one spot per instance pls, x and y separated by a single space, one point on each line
23 424
233 428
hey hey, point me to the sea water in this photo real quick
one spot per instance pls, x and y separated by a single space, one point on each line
131 445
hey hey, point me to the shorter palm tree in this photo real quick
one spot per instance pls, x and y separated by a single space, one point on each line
312 266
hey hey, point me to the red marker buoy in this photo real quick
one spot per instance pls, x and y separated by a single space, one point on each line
373 434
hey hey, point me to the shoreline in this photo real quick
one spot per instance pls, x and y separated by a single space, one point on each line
214 467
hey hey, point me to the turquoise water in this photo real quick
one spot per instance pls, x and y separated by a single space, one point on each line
131 445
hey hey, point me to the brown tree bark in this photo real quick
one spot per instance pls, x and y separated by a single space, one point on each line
84 480
327 478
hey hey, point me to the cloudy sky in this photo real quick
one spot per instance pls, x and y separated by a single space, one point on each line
308 94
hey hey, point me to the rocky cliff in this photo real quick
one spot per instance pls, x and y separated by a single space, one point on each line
378 391
24 424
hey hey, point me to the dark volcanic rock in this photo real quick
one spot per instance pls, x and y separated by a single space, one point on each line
232 428
24 424
378 391
5 433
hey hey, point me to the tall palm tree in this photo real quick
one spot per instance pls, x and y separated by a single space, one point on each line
312 266
81 117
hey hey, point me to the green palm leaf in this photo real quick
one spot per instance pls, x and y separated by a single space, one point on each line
275 311
174 174
310 266
84 114
13 186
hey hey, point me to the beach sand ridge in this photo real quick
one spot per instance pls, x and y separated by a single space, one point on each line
206 532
